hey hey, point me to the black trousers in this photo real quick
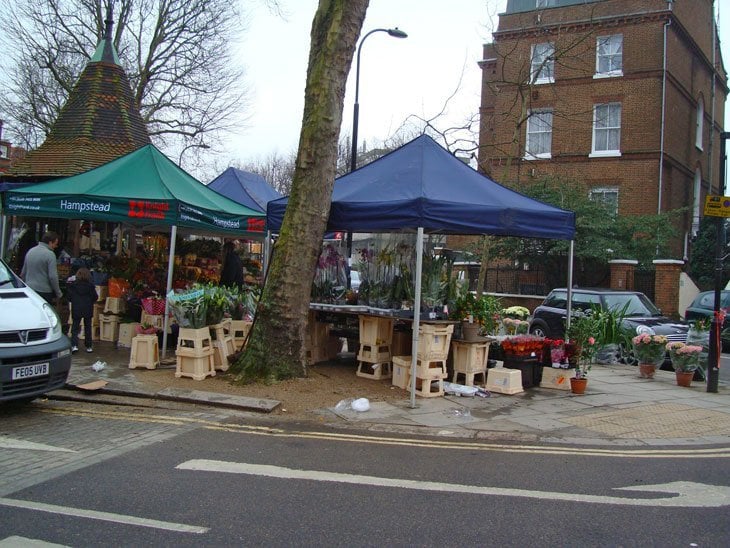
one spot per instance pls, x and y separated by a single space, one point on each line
76 325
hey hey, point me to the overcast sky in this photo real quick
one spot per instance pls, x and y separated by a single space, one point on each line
398 77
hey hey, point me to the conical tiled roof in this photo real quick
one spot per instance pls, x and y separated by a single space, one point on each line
98 123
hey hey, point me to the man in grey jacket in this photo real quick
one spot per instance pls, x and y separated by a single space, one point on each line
39 268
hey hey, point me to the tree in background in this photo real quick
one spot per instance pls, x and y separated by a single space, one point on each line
176 53
601 235
702 261
275 349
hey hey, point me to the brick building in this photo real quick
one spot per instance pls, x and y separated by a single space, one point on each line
625 96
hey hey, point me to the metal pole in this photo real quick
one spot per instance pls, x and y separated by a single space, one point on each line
713 357
416 314
3 234
170 266
569 296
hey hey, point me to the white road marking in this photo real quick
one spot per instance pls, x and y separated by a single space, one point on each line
12 443
688 494
102 516
23 542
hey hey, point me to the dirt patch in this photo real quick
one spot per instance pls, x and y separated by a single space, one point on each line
326 385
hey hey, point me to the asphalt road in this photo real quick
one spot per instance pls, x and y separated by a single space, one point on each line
202 482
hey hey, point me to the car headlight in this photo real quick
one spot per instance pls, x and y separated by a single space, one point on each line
644 330
52 318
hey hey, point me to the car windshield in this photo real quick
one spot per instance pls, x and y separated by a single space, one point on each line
6 277
636 304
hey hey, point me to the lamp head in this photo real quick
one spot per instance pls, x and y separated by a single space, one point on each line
397 33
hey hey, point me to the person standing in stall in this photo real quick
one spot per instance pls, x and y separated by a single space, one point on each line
232 271
39 268
82 296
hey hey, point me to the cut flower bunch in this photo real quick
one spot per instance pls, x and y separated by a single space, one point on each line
650 349
685 357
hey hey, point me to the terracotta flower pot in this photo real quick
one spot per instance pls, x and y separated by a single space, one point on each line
684 378
578 386
646 370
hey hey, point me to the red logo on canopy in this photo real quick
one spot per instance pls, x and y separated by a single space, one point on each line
256 225
141 209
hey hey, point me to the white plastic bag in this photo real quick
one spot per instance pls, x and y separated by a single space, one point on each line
98 365
361 405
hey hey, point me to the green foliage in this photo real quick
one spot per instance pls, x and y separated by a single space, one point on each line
600 234
608 325
702 260
484 309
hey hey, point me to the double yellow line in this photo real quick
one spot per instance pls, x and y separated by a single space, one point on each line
623 452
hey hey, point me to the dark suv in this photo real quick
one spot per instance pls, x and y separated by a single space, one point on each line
642 316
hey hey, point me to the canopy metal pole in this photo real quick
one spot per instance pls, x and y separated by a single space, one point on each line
416 314
267 250
170 266
3 234
569 305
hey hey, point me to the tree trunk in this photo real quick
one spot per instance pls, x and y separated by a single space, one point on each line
275 348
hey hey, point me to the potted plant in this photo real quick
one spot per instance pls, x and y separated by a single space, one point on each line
610 333
650 350
581 348
685 360
475 314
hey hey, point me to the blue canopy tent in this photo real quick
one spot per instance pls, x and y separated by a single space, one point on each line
421 186
245 188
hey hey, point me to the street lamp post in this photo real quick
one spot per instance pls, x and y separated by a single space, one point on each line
396 33
713 358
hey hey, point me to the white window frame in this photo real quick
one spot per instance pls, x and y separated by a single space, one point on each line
614 72
699 124
4 152
535 115
539 66
597 153
599 192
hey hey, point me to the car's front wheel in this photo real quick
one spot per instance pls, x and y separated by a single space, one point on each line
538 330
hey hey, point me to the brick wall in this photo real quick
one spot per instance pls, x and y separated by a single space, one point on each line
575 91
666 286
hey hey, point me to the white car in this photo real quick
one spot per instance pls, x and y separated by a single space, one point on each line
35 356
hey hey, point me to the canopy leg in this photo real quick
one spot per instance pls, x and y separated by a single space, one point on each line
170 266
416 314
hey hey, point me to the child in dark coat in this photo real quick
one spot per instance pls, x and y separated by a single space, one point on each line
82 296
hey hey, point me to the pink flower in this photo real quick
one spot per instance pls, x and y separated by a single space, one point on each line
591 340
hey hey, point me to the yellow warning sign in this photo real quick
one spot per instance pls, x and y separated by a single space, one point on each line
717 206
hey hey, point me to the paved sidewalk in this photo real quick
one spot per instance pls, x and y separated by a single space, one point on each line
619 408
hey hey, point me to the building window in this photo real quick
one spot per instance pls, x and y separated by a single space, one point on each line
700 123
607 130
4 152
544 3
608 196
609 56
539 134
542 63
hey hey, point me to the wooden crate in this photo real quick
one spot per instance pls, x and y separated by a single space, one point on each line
375 330
434 341
127 332
115 305
108 328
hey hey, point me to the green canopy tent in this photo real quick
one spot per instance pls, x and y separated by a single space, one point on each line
141 188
